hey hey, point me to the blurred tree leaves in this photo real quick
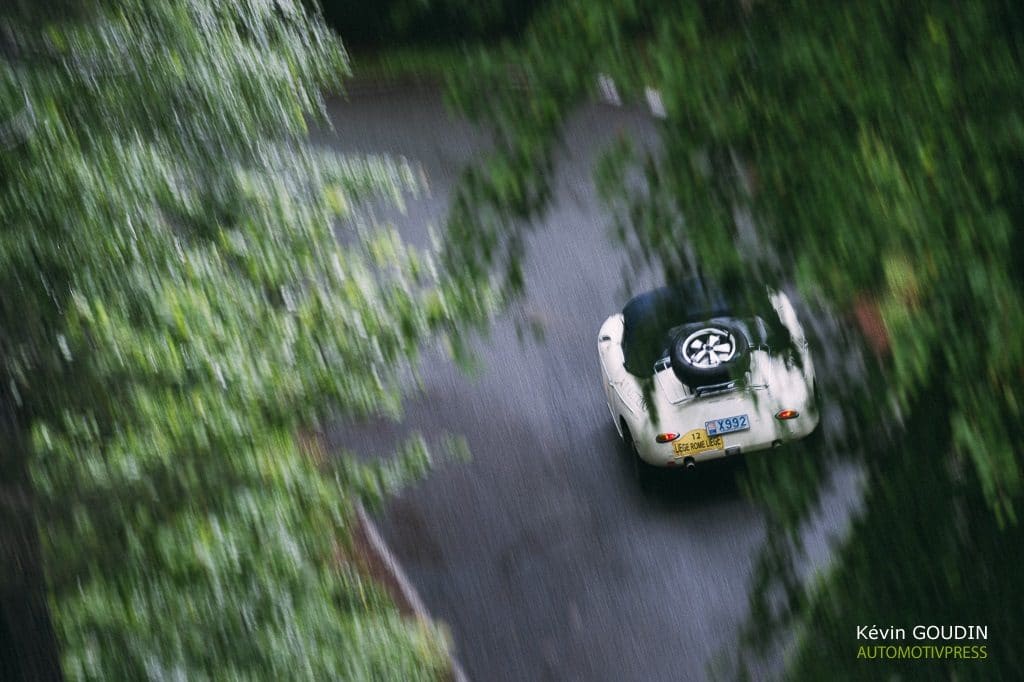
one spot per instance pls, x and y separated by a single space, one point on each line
875 148
176 307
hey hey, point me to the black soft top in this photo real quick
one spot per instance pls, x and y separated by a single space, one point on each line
649 317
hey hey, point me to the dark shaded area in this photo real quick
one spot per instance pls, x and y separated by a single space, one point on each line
899 571
28 646
392 23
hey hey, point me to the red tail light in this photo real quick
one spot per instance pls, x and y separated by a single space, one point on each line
666 437
787 414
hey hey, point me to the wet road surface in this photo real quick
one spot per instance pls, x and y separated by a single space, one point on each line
541 554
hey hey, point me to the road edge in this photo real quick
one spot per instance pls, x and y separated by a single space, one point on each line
386 568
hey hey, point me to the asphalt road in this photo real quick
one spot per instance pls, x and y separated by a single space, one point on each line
541 554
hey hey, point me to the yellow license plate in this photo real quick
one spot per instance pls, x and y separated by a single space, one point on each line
696 441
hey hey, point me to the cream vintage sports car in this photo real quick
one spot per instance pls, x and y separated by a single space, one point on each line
692 375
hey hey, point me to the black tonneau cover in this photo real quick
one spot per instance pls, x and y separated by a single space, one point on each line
649 317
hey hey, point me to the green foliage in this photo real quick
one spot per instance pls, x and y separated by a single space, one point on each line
177 307
877 146
416 65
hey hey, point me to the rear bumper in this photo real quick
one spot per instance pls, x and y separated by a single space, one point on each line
764 438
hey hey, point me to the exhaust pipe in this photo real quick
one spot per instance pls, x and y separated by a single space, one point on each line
689 463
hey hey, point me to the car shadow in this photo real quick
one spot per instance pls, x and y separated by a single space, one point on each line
709 483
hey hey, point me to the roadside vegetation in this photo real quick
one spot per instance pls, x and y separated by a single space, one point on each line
177 309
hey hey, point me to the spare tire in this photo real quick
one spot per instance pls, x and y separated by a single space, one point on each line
706 353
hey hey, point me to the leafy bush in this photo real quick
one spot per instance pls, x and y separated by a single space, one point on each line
176 308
